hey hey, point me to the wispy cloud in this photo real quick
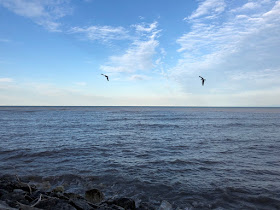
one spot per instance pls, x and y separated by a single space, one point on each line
145 27
45 13
6 80
101 33
243 41
208 9
139 56
139 77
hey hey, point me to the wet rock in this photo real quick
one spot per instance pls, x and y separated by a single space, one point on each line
58 189
165 205
12 198
54 204
73 196
145 206
2 192
94 196
80 204
26 207
19 191
106 206
4 206
45 186
126 203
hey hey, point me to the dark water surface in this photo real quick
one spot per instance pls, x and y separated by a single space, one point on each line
223 158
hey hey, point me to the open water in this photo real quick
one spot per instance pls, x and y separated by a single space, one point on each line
201 158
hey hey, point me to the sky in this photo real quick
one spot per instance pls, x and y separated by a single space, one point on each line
53 52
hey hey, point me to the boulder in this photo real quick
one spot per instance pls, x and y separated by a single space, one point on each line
126 203
165 205
4 206
58 189
94 196
54 204
13 198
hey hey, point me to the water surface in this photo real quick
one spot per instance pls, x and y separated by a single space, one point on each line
192 157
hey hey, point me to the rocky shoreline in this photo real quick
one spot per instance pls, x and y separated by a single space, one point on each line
16 193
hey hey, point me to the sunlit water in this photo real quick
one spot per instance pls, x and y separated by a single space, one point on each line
203 158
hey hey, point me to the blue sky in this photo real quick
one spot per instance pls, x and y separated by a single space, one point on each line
53 52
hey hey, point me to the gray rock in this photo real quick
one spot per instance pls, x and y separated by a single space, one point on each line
145 206
55 204
126 203
19 191
27 207
12 199
58 189
2 192
165 205
105 206
80 204
94 196
4 206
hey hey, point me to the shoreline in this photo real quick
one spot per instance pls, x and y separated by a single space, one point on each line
17 193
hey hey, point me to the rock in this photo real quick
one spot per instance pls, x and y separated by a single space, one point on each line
45 186
94 196
79 202
2 192
12 199
126 203
106 206
145 206
4 206
58 189
19 191
26 207
195 204
165 205
54 204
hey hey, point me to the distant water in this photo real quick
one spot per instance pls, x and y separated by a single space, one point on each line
216 158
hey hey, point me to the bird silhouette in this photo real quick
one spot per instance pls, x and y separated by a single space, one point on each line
106 76
202 79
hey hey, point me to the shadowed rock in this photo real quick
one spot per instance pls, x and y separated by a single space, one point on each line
126 203
94 196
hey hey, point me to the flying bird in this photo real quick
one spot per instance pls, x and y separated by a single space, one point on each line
202 79
106 76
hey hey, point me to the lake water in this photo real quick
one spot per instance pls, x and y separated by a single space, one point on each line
204 158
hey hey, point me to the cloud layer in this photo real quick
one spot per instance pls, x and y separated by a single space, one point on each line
140 55
45 13
243 39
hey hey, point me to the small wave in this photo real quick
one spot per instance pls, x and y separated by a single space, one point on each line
181 162
118 119
156 125
208 162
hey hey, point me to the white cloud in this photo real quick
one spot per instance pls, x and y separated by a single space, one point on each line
45 13
103 33
6 80
209 9
245 41
139 77
144 27
139 56
251 5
